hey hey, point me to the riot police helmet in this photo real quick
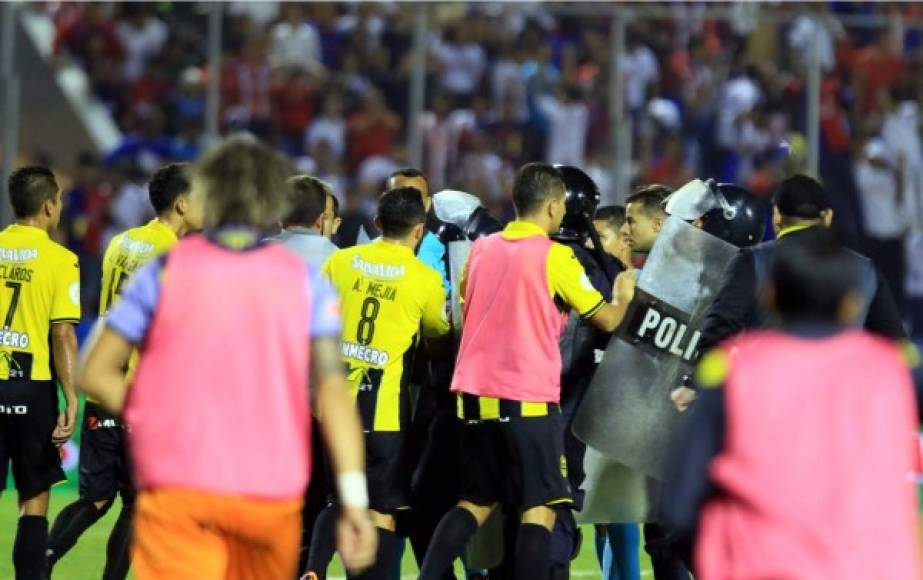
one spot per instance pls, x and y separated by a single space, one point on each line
581 198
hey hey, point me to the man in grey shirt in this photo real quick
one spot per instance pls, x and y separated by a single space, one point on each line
306 230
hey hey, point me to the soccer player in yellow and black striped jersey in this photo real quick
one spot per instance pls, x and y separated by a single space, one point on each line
104 469
40 298
389 298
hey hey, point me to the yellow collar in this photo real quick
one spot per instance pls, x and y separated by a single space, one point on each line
792 229
518 229
30 230
157 224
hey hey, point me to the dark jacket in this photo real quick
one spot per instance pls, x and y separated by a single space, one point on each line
736 307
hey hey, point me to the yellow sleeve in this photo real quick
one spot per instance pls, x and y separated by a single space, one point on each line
65 305
435 321
713 369
568 280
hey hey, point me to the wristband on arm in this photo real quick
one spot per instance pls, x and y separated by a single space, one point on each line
353 489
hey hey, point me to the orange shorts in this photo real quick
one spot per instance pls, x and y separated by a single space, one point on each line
183 534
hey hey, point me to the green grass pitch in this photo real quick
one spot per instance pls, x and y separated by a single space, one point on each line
85 561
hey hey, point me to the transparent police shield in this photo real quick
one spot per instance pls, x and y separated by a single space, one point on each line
458 258
626 415
456 207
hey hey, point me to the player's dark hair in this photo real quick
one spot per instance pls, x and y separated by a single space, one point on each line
244 184
651 198
170 182
535 184
411 173
400 210
309 200
612 215
812 274
800 199
29 188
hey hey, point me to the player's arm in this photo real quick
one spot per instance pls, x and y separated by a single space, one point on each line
65 312
64 353
570 282
340 428
435 322
611 314
102 374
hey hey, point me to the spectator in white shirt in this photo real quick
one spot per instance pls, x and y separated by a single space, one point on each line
330 126
295 42
640 70
461 61
142 36
815 26
878 174
568 118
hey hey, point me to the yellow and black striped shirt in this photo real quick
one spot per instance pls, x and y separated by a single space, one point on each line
41 287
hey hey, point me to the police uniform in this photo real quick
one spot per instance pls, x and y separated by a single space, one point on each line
104 466
736 308
389 297
41 287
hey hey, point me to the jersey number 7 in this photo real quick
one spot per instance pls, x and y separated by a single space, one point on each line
11 311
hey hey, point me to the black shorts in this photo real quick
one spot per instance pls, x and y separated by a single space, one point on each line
387 470
516 461
104 466
28 417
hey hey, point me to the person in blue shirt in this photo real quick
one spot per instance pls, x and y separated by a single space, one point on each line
431 251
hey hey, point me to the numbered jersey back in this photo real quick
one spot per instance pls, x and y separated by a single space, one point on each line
126 252
388 296
40 286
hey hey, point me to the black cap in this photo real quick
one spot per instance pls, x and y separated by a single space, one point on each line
801 196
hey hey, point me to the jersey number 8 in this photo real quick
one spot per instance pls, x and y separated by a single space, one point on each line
366 330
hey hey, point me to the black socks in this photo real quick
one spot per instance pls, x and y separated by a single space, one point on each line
69 525
533 552
452 535
29 548
118 549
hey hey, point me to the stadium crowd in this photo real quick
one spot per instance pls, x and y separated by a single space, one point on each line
460 354
328 84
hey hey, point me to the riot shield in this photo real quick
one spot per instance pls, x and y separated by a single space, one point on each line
627 414
615 493
456 208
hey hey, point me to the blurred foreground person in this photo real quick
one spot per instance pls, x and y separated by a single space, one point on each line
798 459
229 327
